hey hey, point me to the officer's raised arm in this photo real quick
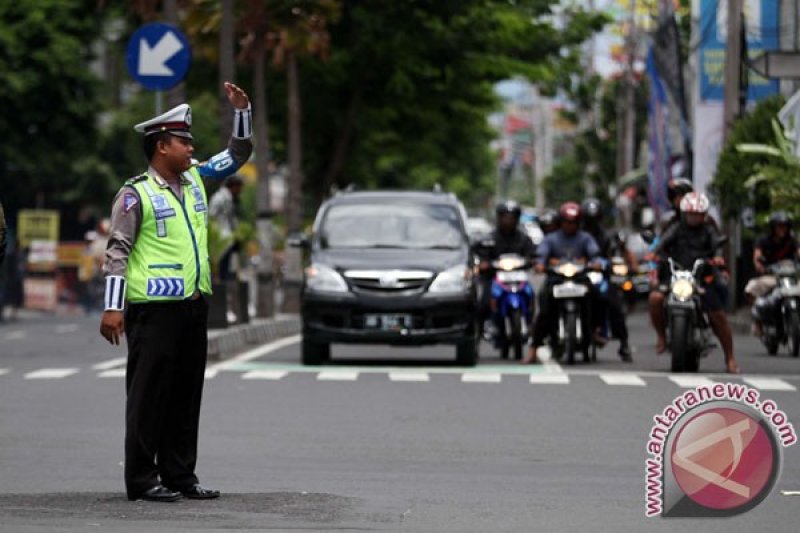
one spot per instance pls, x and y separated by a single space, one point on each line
240 145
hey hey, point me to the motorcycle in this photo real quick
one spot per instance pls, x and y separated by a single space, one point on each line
688 329
572 293
781 321
511 302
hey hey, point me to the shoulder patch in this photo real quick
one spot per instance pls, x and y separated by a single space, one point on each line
129 201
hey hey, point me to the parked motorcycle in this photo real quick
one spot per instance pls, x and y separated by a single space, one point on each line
511 301
688 329
572 294
781 315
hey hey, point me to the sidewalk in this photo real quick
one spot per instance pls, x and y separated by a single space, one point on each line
224 343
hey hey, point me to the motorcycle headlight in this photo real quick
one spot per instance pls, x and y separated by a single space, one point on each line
457 279
568 270
682 289
620 270
324 279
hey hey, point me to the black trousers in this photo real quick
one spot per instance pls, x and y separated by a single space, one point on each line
167 350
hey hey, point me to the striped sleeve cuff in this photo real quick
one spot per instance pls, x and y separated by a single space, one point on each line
243 123
115 293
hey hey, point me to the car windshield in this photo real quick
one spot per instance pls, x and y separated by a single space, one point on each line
392 226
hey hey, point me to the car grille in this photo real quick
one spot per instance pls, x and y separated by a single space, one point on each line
388 281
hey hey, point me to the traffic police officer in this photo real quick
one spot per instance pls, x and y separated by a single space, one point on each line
157 261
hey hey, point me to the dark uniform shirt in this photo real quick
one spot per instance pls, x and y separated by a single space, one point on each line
774 251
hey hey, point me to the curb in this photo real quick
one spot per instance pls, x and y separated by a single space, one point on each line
224 343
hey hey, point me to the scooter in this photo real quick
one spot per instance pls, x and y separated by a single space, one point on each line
572 293
780 313
511 303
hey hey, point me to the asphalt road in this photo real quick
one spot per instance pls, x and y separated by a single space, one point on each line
383 439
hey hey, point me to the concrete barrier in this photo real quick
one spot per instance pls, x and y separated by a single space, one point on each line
224 343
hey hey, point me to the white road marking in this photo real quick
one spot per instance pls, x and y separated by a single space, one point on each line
559 378
16 335
481 377
690 382
618 378
273 375
211 373
4 371
111 363
51 373
790 492
337 375
67 328
112 373
769 384
255 353
409 376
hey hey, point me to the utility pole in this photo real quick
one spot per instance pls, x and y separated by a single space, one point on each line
733 67
626 115
732 109
176 95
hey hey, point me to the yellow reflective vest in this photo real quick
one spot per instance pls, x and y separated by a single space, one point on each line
169 260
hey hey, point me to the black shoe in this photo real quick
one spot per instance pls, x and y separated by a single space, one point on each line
198 492
625 352
159 493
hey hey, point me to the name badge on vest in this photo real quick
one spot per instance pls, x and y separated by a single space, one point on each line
199 204
161 207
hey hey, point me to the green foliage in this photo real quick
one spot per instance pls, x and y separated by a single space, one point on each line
49 99
734 167
778 176
566 183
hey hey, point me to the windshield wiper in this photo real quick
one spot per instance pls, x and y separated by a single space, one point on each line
438 247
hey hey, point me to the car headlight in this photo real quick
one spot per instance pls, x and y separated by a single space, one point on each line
620 270
453 280
682 289
324 279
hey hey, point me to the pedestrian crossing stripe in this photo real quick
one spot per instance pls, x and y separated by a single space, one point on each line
165 287
278 372
51 373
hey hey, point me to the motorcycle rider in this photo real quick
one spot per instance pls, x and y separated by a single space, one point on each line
780 244
610 303
694 237
548 221
506 238
568 242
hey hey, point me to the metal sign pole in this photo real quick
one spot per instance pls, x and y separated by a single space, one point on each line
159 102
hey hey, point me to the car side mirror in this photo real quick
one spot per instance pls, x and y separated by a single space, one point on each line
298 240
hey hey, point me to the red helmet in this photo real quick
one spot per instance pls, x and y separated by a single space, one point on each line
695 202
570 211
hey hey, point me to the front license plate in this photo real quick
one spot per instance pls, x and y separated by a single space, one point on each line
387 322
569 290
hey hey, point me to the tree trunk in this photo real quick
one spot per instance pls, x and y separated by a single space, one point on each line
336 162
227 69
177 95
265 302
295 203
294 207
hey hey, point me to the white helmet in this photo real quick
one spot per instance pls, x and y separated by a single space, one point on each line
695 202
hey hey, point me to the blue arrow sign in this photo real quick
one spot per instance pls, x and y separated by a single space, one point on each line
158 56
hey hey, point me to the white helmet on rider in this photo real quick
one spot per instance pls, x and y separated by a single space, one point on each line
695 202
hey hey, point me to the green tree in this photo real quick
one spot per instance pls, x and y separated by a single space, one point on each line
50 102
734 167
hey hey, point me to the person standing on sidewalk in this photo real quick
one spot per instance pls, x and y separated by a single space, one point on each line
157 262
